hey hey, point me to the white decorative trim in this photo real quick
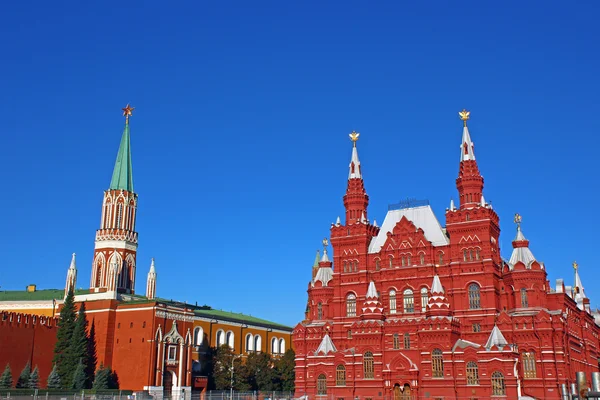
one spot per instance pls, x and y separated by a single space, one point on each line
174 316
115 244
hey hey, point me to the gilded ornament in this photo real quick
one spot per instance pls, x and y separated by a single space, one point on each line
127 112
354 137
518 219
464 116
575 265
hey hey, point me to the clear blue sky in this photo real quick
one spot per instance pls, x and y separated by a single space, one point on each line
240 133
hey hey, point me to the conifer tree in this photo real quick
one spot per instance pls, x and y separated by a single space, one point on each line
92 357
64 366
34 379
23 380
113 379
6 379
78 350
79 377
54 379
102 377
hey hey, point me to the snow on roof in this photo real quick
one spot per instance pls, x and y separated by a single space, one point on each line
423 217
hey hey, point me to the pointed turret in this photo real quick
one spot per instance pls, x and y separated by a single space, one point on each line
372 309
71 276
521 252
437 304
151 282
117 225
578 291
496 339
356 199
315 266
470 181
338 222
325 272
326 346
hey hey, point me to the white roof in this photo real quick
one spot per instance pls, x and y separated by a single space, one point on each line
423 217
522 254
324 274
325 258
354 160
326 346
579 294
469 153
436 286
496 339
372 291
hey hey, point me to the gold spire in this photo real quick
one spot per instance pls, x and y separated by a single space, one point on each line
575 265
354 137
464 116
127 112
518 219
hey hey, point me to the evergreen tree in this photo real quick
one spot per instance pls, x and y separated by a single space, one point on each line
64 365
6 379
102 378
285 371
54 379
78 350
113 379
79 377
24 377
260 371
92 357
34 379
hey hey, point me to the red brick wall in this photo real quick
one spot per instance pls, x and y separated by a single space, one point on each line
27 338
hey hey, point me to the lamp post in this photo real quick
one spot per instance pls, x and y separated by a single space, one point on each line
232 360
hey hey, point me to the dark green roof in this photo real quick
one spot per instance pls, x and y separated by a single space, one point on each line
46 294
241 318
122 178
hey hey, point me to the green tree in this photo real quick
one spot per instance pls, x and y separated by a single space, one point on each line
221 363
260 371
92 357
62 360
54 379
6 379
78 351
24 377
34 379
113 379
79 378
102 378
285 371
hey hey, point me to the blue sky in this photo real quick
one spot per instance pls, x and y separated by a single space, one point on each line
240 133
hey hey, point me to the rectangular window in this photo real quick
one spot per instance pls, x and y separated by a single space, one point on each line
424 299
529 365
407 341
524 301
396 341
172 355
349 334
409 303
476 328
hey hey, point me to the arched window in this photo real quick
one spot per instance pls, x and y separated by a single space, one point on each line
392 301
424 299
220 338
477 254
407 341
474 296
470 254
441 258
377 266
472 373
396 341
319 310
464 254
282 346
274 346
391 261
422 259
351 305
355 265
403 261
524 300
119 215
230 339
408 263
249 342
340 376
198 336
369 372
345 266
437 363
257 343
321 385
409 301
529 369
402 393
498 388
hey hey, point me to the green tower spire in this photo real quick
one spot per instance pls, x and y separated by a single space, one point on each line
317 259
122 178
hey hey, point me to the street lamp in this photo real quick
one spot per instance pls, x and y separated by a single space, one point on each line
232 360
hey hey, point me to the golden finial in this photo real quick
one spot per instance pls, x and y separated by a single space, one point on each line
575 265
518 219
464 116
127 112
354 137
325 242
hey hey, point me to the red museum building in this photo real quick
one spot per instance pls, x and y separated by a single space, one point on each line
413 309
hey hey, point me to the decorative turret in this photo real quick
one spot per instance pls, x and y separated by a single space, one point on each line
372 309
437 304
356 199
579 296
470 181
324 272
151 282
496 339
326 346
71 276
117 226
521 252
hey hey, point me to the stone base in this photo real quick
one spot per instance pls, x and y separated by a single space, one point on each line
181 393
155 391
